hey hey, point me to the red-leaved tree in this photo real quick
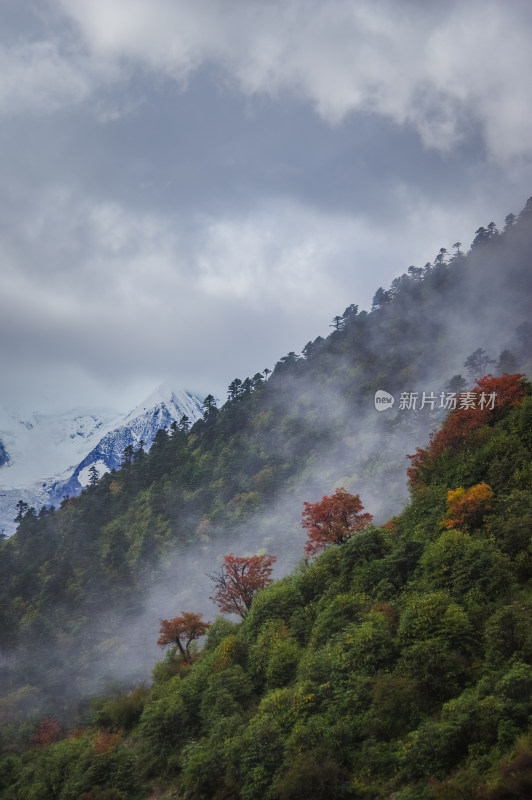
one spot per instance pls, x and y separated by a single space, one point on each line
239 580
182 631
47 732
333 520
462 423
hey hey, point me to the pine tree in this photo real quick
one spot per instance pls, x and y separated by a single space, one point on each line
94 476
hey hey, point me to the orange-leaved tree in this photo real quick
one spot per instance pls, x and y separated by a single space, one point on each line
239 580
182 631
466 507
333 520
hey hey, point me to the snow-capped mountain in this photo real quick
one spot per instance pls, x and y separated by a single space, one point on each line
44 457
158 411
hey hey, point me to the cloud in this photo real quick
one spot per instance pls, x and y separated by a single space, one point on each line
190 190
41 77
141 281
36 78
127 295
427 65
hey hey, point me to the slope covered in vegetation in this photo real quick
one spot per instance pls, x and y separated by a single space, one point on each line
396 664
73 580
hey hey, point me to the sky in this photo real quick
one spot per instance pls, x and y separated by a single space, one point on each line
190 190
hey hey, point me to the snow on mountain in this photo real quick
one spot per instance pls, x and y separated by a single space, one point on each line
159 410
4 455
167 405
46 444
44 457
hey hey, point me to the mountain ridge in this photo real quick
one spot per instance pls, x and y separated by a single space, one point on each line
73 441
88 584
396 664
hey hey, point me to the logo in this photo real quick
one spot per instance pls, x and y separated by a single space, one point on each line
383 400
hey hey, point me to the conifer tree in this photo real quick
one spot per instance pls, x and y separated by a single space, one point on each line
94 476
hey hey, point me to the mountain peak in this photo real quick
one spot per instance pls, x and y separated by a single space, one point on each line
49 457
175 400
164 393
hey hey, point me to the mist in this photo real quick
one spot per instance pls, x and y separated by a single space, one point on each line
363 450
315 422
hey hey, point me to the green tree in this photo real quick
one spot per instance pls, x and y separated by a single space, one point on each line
440 258
380 299
184 424
128 456
23 508
509 221
507 363
94 476
477 363
457 384
209 408
234 389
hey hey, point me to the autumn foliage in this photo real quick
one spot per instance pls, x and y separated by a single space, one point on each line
239 580
107 741
182 631
47 731
509 390
466 507
333 520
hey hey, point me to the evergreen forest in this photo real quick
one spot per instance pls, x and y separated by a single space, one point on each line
384 655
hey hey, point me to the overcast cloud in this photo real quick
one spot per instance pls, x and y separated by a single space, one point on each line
192 189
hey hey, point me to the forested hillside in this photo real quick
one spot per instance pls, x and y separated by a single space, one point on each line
344 674
396 664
